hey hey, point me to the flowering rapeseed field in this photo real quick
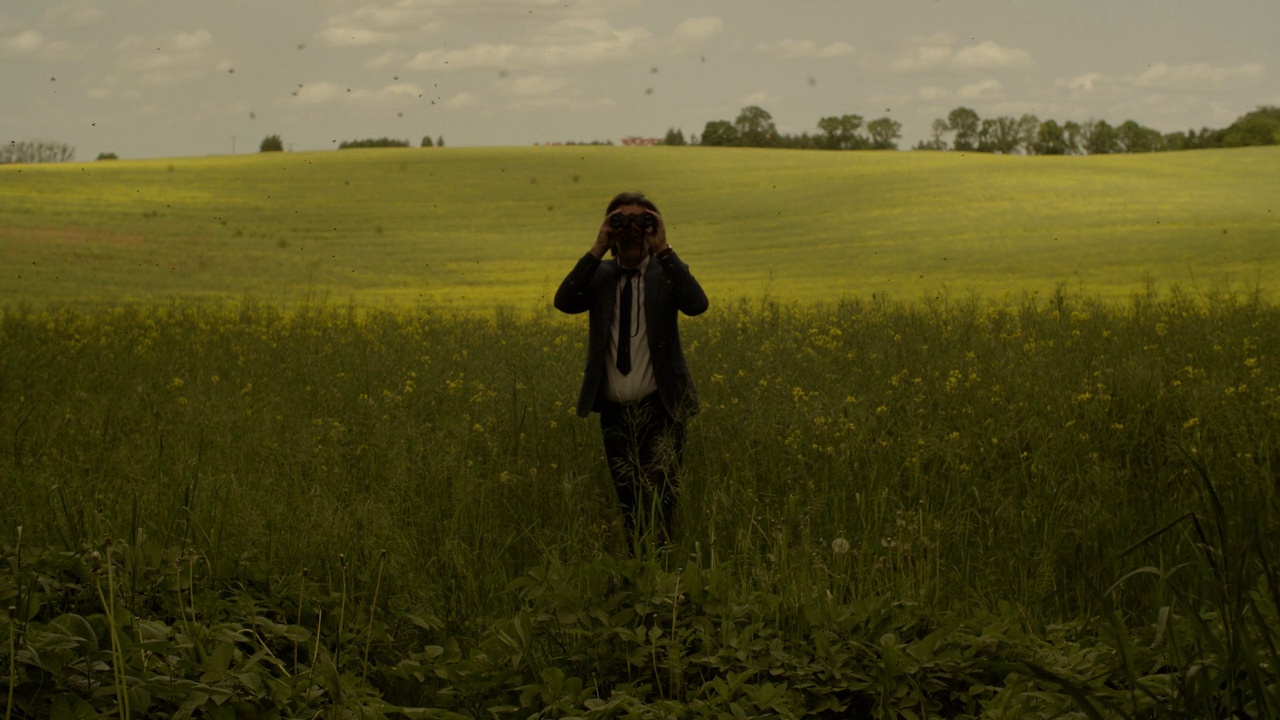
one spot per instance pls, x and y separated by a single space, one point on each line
410 466
966 452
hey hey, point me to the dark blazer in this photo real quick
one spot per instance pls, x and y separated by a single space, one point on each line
669 288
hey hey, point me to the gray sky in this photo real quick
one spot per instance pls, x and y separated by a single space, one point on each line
157 78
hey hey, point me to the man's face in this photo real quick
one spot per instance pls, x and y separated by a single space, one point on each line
630 241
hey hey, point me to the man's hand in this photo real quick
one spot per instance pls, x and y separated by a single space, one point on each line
604 238
657 240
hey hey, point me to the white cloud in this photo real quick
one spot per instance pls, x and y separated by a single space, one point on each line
1081 84
924 53
386 59
805 49
396 15
760 98
979 90
888 102
988 55
579 41
24 43
398 91
536 85
192 41
214 108
73 14
170 59
940 53
462 100
396 95
343 36
314 94
569 42
932 92
483 55
1170 89
697 29
836 49
1195 75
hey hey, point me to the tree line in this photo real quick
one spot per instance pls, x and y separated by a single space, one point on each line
964 130
754 127
273 143
36 151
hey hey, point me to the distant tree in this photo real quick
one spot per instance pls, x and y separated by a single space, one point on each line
1204 138
1050 139
1073 134
36 151
1176 141
987 133
1135 138
426 141
884 133
999 135
271 143
965 123
440 141
930 144
1028 131
674 137
803 141
719 133
383 142
841 132
938 131
1099 138
1259 127
755 127
108 156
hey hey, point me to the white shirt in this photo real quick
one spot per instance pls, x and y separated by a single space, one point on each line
639 382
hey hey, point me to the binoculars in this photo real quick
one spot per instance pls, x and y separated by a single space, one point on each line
645 221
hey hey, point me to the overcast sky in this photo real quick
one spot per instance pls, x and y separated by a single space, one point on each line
157 78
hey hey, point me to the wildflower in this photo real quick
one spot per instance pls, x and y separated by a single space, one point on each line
839 546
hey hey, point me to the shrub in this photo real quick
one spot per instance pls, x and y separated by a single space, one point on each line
372 143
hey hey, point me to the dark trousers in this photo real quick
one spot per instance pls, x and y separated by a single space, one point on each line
644 445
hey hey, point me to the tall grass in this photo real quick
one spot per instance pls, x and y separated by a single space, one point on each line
966 453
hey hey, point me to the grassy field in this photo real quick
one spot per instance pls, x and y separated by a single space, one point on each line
473 228
258 458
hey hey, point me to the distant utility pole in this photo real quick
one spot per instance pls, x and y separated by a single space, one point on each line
233 144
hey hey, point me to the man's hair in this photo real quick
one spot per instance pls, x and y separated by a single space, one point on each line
630 198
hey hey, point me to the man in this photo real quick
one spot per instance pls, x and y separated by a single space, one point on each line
636 376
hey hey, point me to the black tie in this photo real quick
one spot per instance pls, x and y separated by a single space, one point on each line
624 323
